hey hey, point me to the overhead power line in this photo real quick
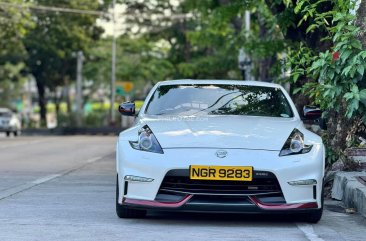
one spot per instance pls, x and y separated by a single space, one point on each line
88 12
54 9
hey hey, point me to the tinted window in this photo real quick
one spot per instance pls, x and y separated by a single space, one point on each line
218 100
5 114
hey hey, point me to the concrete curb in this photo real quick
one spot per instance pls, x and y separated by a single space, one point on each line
350 191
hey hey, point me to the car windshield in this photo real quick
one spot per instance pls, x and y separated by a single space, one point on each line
5 114
207 99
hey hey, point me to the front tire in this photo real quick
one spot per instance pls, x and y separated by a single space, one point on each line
316 215
126 212
8 133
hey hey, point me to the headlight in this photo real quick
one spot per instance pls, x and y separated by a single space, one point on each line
295 144
146 141
12 122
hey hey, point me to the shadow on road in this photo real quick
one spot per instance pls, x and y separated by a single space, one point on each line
223 218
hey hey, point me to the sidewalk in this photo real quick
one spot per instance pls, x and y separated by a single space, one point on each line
350 188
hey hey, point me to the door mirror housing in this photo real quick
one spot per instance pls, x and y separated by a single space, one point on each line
313 116
312 112
127 109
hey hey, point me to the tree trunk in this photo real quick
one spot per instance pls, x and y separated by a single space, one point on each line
57 105
340 129
42 103
67 94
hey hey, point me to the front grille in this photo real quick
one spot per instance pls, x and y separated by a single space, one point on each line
179 182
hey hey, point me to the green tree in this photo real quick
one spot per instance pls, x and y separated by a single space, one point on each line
221 30
14 24
168 22
205 36
138 61
335 76
326 51
52 44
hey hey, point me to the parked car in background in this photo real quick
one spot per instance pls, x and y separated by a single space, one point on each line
9 122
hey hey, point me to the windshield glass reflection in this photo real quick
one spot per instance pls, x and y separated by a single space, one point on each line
186 100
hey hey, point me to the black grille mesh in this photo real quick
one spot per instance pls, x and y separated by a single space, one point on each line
174 183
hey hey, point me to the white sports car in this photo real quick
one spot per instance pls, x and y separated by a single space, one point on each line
219 146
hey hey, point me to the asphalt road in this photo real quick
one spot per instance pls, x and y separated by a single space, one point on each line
63 188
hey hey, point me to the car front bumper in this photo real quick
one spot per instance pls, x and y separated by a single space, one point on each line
188 204
152 168
5 128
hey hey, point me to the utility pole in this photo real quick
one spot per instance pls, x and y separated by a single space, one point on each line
244 60
113 74
126 121
79 81
248 75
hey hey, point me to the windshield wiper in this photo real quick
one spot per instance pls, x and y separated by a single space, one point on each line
218 100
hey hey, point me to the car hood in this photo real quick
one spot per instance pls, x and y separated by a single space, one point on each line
247 132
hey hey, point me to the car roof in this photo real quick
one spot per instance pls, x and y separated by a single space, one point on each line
220 82
4 110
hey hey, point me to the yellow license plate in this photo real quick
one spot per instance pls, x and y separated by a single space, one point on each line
228 173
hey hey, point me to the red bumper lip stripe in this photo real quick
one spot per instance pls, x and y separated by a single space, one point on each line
158 204
283 206
253 199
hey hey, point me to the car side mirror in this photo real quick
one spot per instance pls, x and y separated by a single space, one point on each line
314 115
312 112
127 109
